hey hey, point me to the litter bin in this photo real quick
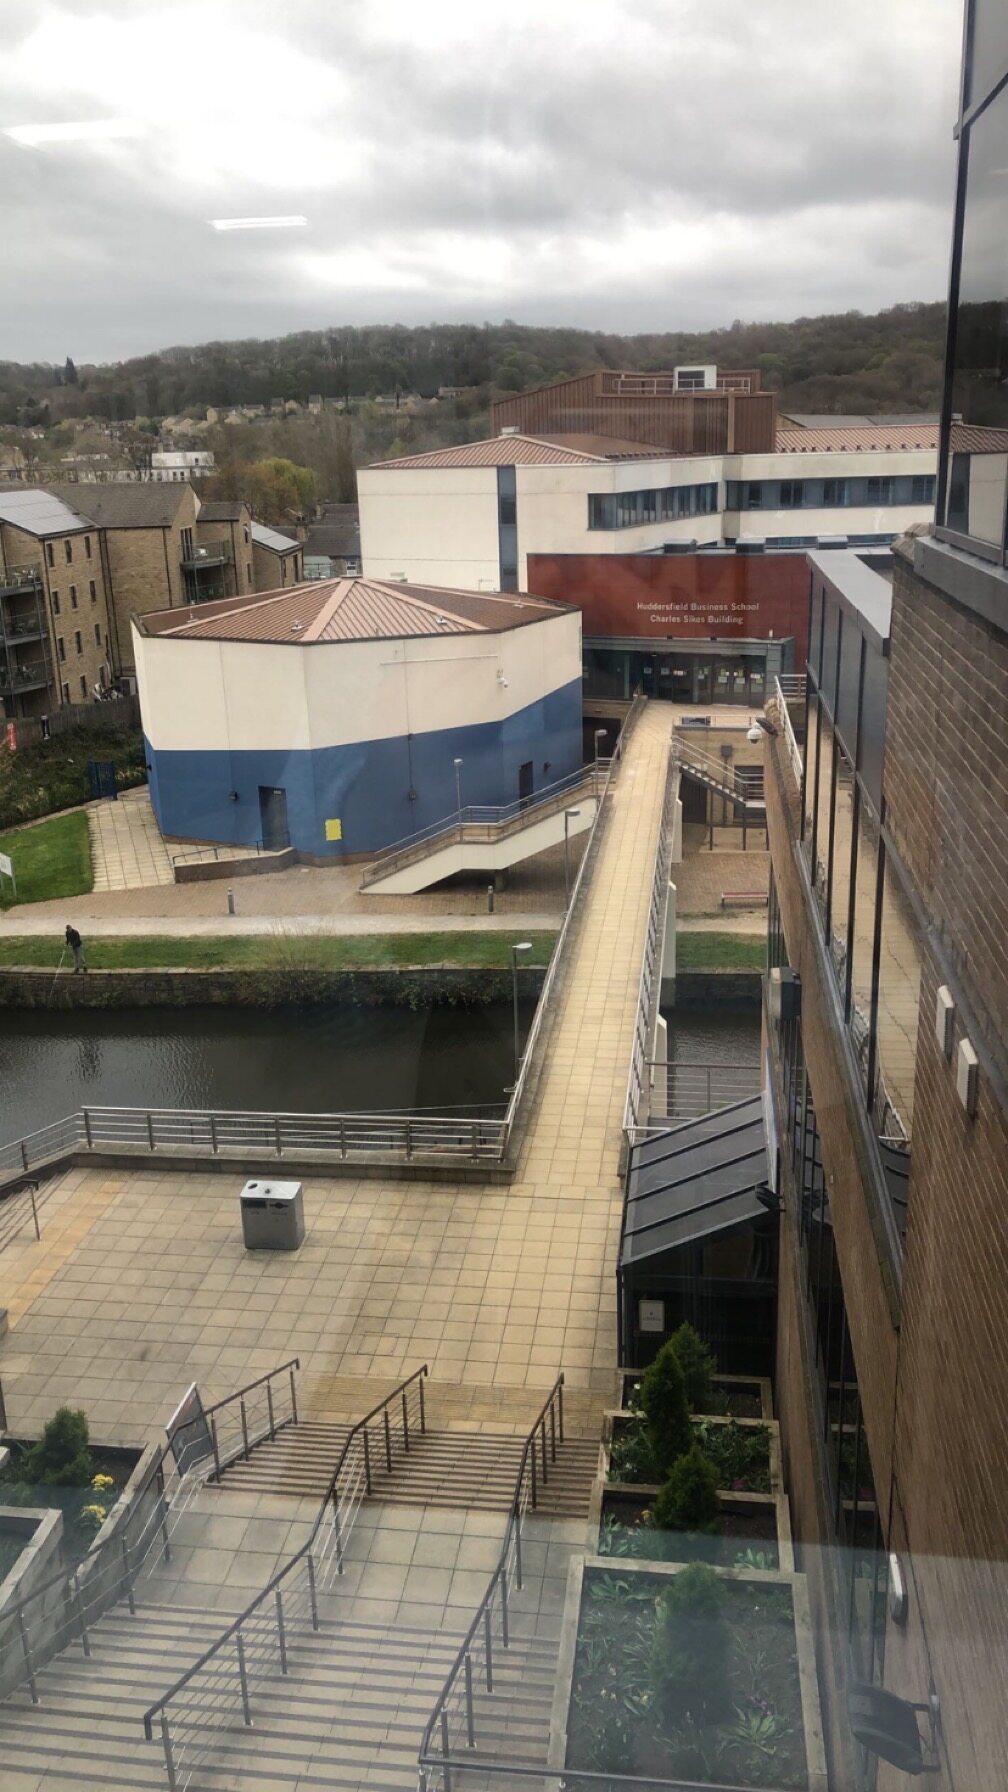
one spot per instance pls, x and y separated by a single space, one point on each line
272 1216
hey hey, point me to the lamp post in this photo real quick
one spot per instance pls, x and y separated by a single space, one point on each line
600 734
520 946
458 791
569 816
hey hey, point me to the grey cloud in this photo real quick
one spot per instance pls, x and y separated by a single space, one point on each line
803 154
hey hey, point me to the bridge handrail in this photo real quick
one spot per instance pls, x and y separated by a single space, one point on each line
783 715
642 1050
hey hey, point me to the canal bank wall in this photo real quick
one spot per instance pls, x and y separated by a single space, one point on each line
426 987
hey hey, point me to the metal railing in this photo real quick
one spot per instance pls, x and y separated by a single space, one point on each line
385 1132
642 1051
782 716
203 1703
685 1091
451 1729
215 854
482 824
740 787
63 1609
560 955
791 685
205 553
20 578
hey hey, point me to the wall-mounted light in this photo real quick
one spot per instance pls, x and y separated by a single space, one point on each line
945 1020
967 1076
899 1601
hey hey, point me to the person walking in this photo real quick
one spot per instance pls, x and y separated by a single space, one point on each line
76 945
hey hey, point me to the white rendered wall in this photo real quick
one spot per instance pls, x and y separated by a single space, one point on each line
430 526
240 696
553 507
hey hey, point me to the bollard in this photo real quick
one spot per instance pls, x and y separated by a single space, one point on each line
230 902
490 899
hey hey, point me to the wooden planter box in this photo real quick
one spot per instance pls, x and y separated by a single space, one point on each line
816 1779
756 1387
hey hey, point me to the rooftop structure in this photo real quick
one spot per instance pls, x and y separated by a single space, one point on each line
695 410
351 610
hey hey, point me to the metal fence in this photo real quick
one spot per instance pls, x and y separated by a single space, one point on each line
224 1685
452 1728
385 1133
642 1052
63 1609
685 1091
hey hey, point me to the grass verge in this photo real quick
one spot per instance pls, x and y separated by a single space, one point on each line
53 858
37 781
279 952
720 951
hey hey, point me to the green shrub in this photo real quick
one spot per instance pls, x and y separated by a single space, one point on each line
689 1651
698 1364
665 1408
61 1457
688 1501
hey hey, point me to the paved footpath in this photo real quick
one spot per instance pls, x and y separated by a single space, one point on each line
23 922
141 1284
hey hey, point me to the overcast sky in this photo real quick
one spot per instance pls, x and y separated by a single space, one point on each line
616 164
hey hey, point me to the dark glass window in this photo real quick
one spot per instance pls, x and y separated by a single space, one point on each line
87 546
754 494
977 480
834 491
55 602
922 488
68 551
92 591
792 493
880 491
508 510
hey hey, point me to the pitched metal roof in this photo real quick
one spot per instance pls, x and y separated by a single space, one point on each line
140 504
221 510
878 438
350 610
499 451
272 539
694 1181
40 512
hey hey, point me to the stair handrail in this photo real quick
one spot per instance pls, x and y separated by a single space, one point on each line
337 1511
83 1592
496 816
525 1494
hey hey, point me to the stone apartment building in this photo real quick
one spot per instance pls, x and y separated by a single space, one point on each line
55 639
277 560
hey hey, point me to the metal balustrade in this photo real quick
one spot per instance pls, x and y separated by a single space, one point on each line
451 1729
642 1051
782 716
685 1091
64 1608
224 1685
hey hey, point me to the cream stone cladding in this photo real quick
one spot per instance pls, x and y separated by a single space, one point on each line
270 571
145 569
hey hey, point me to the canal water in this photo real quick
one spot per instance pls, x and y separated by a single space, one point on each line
308 1060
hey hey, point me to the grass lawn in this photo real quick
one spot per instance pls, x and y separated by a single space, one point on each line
53 858
285 952
720 951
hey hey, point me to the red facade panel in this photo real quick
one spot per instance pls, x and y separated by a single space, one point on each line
681 597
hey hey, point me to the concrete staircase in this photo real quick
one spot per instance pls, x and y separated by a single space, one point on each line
447 1467
352 1709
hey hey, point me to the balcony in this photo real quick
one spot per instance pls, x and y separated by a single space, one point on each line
24 676
22 628
19 578
198 555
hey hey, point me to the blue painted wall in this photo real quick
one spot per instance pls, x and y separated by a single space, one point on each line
366 785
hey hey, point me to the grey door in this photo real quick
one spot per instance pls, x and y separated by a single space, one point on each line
525 781
273 817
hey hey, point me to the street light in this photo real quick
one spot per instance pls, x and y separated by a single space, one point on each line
600 734
569 816
520 946
458 789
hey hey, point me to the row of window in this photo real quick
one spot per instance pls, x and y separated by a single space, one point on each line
83 687
855 1516
829 494
50 550
661 504
78 641
92 593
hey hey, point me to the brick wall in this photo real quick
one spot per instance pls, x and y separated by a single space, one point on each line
145 570
271 572
61 581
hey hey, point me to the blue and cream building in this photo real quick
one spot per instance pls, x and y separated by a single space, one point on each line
330 717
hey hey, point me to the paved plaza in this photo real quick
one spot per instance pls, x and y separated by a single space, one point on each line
141 1283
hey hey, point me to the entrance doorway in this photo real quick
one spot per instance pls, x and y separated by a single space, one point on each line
525 778
273 817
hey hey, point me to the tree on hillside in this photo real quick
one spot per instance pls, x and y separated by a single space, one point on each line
69 373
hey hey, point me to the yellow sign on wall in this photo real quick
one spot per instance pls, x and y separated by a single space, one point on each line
334 829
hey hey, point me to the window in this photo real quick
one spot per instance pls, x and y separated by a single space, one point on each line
87 546
880 491
78 641
55 602
754 494
68 550
83 687
97 634
60 648
246 538
792 494
834 492
92 591
975 444
66 693
248 571
50 559
922 488
73 597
